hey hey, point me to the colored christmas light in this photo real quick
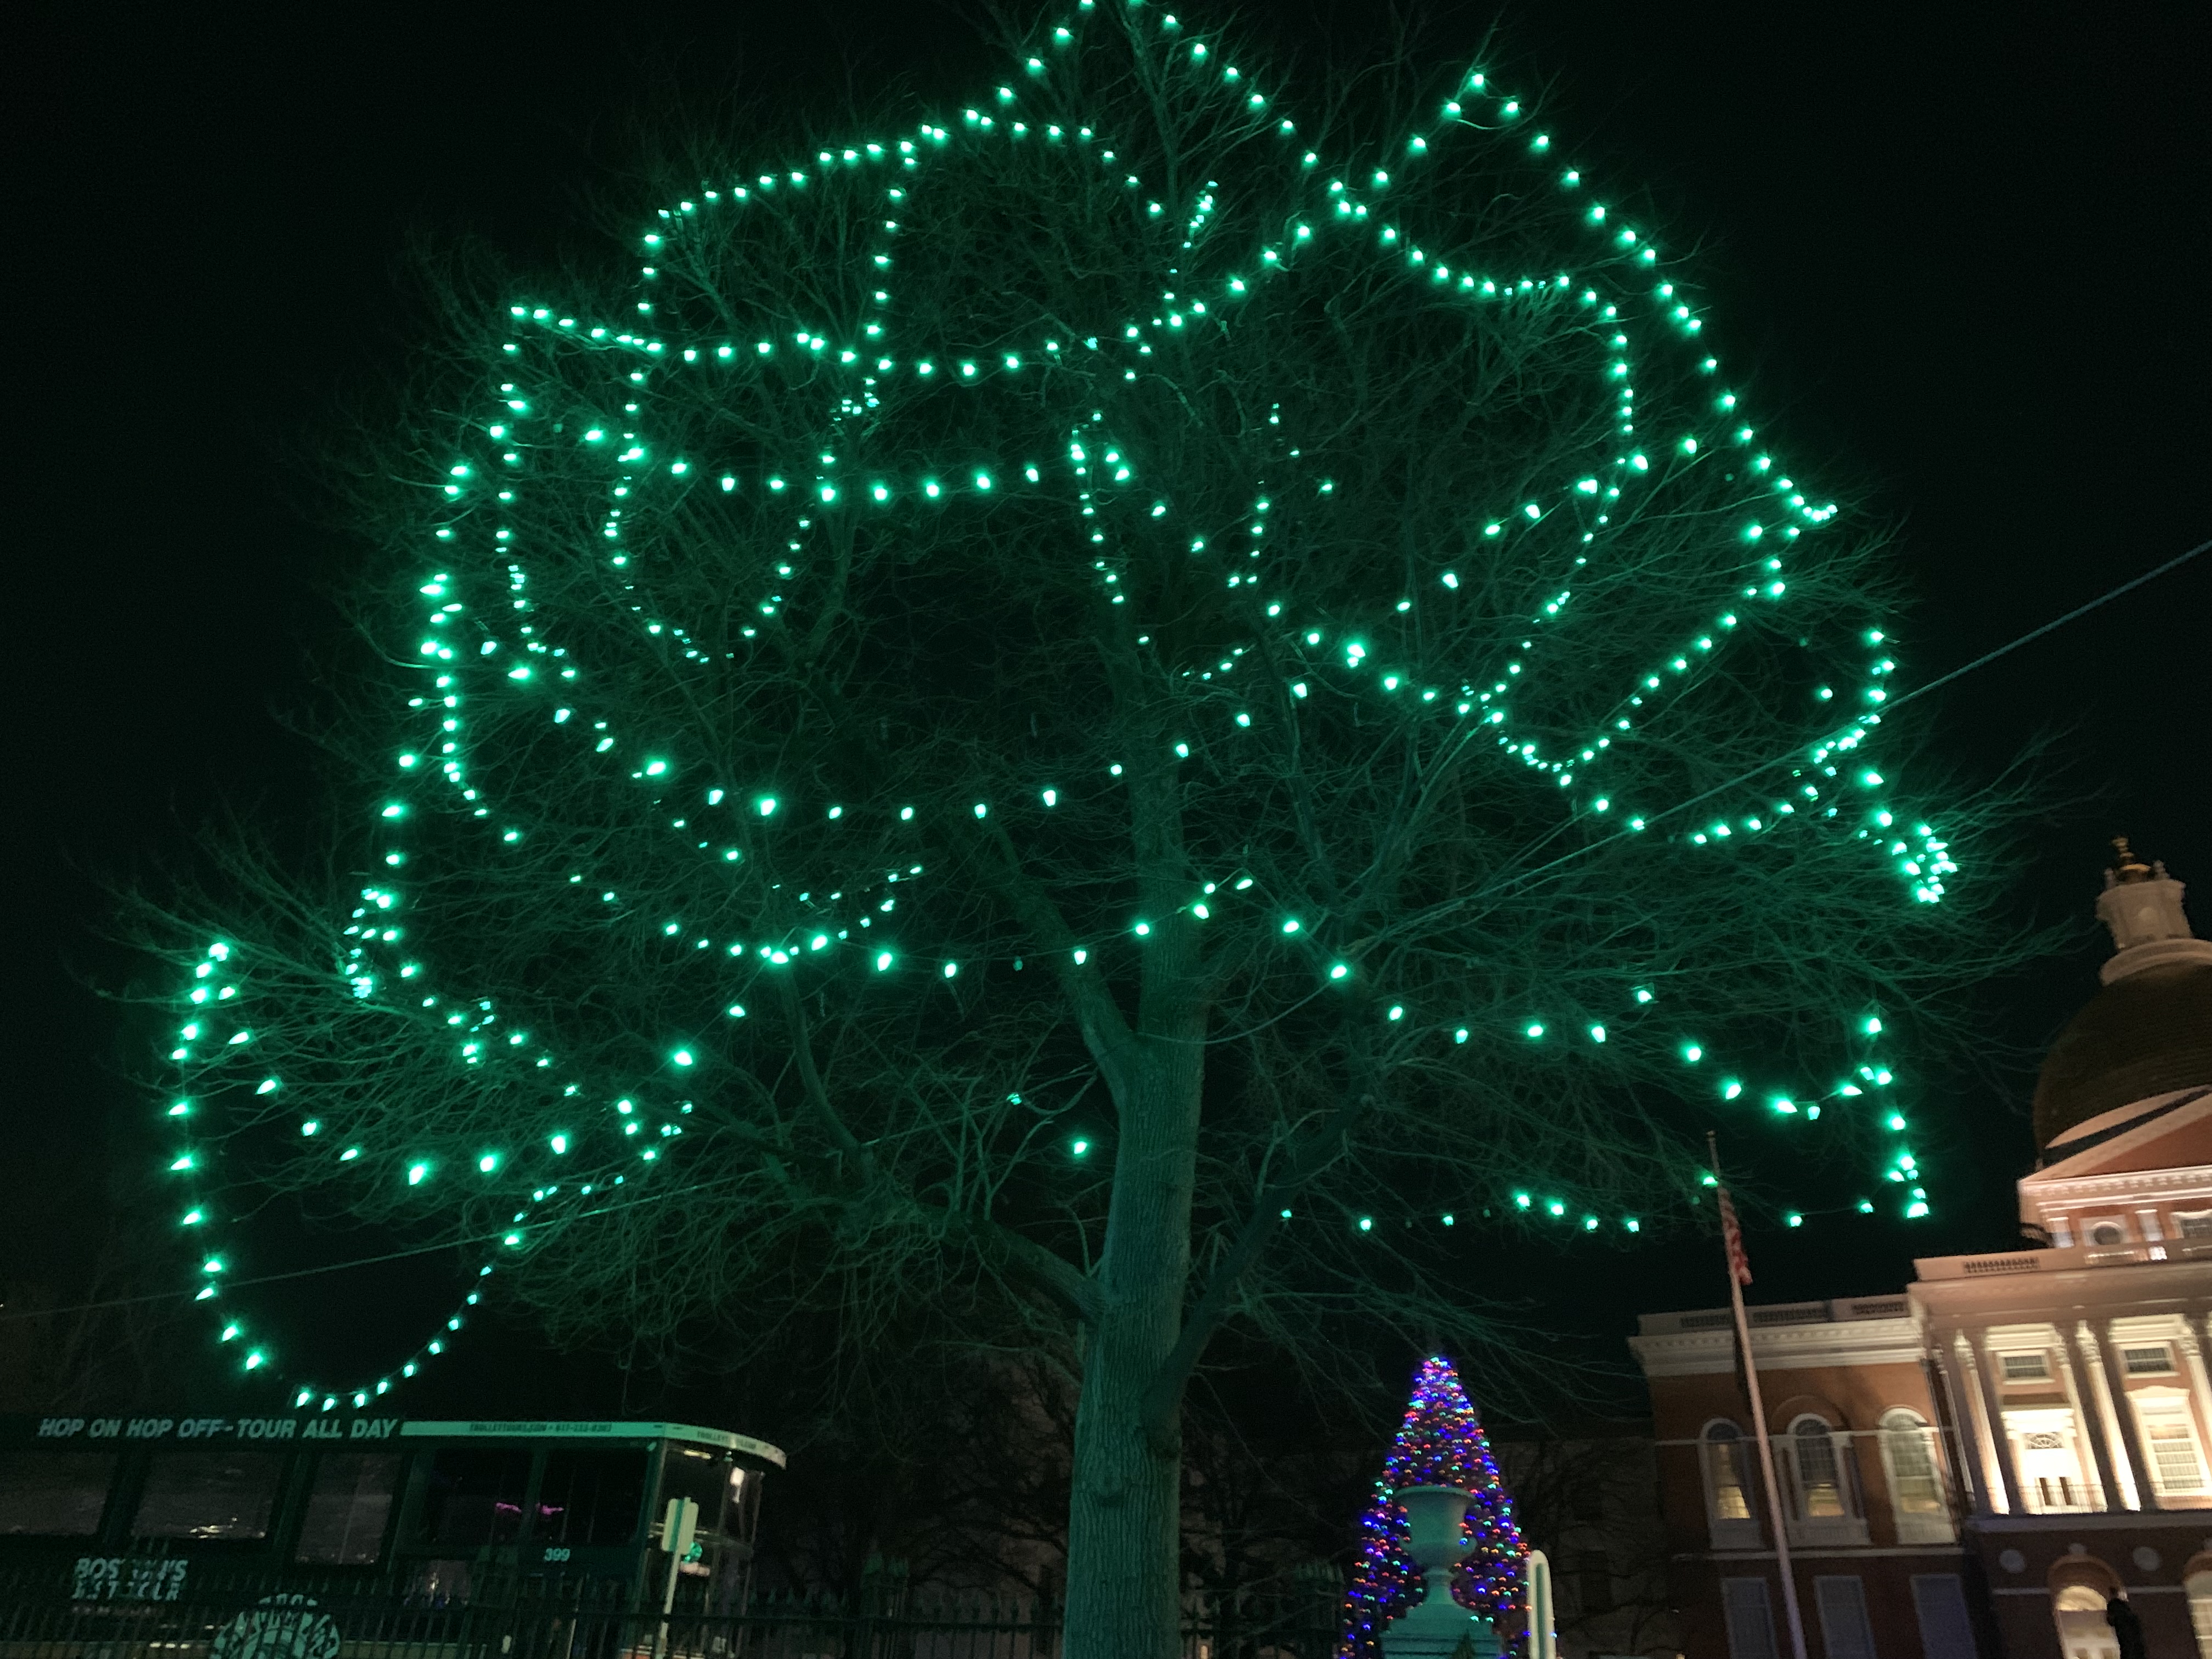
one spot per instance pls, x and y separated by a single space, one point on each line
1439 1444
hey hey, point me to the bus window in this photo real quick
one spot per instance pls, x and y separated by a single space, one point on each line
742 1519
590 1496
702 1475
53 1494
348 1504
474 1496
207 1494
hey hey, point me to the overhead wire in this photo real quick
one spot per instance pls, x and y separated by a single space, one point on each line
1960 672
364 1260
1988 657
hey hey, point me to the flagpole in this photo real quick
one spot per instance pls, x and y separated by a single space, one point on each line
1738 1271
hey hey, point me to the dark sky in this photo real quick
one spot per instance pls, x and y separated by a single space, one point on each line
1968 263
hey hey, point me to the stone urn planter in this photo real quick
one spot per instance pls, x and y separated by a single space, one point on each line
1439 1628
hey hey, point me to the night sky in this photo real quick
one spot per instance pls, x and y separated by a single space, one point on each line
1966 269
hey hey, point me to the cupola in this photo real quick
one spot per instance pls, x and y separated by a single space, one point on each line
2147 1031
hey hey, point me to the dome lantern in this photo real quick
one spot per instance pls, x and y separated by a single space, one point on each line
2142 905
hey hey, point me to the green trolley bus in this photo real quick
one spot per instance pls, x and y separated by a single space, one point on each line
410 1513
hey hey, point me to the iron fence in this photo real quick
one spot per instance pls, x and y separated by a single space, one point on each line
358 1623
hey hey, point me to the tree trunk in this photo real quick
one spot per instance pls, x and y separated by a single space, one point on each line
1124 1570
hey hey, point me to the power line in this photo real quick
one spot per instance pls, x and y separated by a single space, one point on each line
1960 672
1982 661
2105 597
360 1261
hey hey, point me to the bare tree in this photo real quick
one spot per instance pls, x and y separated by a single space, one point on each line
1062 721
90 1315
1589 1499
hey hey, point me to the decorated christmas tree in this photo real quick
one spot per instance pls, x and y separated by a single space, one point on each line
1440 1443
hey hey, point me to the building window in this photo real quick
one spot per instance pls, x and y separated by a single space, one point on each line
1939 1602
1823 1481
1728 1490
2047 1453
1750 1619
2194 1223
2079 1612
2176 1469
2199 1586
2149 1362
2026 1367
1725 1458
2108 1232
1845 1631
1917 1498
1820 1480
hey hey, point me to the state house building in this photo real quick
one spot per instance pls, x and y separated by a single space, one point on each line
1973 1466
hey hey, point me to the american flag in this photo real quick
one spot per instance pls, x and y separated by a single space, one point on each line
1732 1235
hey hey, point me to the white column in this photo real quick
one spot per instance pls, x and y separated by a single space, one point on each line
2116 1452
1997 1471
2098 1471
1957 1460
2123 1415
1992 1369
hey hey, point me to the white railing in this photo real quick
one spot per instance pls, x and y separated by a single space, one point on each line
2071 1259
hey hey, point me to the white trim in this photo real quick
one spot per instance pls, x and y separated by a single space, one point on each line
1915 1526
2165 1406
2051 1493
1806 1528
1780 1347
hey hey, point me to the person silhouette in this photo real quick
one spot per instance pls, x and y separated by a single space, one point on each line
2127 1628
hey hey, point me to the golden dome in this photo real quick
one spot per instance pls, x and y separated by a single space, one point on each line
2149 1030
2147 1034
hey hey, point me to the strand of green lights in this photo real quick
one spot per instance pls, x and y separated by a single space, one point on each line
489 644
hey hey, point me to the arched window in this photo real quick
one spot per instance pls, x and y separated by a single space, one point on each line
2199 1586
1725 1459
1912 1478
2079 1610
1731 1501
1820 1493
1819 1478
1917 1498
2079 1586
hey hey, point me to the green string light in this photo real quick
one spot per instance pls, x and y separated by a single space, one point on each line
485 645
